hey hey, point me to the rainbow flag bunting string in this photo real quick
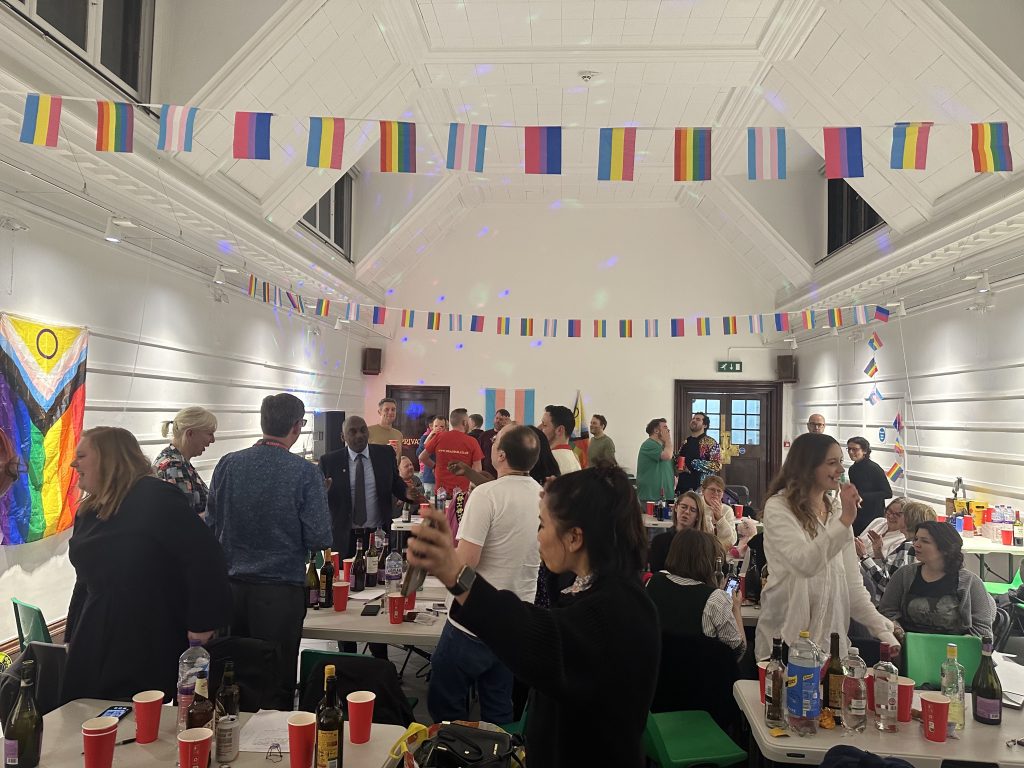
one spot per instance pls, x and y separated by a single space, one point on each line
835 318
408 318
476 323
844 154
678 326
575 326
40 123
729 325
807 316
897 446
504 326
323 308
433 321
990 147
703 326
177 125
895 472
251 136
871 368
526 326
651 328
253 285
466 151
115 126
625 329
692 154
875 342
326 145
600 329
397 147
543 149
909 146
616 154
766 154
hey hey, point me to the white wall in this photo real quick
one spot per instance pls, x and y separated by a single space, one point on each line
600 262
966 375
225 357
997 23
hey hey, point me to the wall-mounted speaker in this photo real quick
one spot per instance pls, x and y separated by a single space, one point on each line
371 361
785 368
327 432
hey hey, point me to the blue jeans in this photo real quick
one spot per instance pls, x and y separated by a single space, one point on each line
458 661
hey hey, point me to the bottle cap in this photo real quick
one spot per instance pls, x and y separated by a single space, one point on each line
950 650
805 633
854 651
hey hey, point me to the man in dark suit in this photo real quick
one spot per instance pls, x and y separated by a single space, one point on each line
363 480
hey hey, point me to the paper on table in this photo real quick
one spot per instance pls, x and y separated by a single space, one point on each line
266 727
1011 674
366 595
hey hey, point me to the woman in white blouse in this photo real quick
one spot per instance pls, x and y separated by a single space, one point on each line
814 580
720 516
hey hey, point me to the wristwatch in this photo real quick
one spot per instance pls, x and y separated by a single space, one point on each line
464 581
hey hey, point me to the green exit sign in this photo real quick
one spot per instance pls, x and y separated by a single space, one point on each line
730 366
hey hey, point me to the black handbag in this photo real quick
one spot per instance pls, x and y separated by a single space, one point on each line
461 746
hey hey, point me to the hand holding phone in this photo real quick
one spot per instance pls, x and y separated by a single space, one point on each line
731 585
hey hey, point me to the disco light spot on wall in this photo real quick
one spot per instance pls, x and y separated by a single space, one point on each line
405 339
555 205
483 69
415 410
389 292
460 345
421 382
536 343
407 115
883 242
599 299
421 248
504 294
224 246
440 299
608 263
483 232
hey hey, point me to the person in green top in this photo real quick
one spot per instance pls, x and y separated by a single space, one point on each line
654 478
601 446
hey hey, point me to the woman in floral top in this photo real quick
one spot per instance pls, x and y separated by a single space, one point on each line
191 432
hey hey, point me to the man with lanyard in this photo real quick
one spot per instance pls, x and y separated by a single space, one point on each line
699 456
268 508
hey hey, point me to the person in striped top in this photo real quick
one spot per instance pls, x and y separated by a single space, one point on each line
880 569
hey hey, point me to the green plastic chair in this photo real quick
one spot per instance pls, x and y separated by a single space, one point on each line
31 624
519 726
683 739
925 654
1001 588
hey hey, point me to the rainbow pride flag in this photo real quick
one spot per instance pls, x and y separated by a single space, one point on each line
835 317
782 321
476 323
42 403
253 285
326 142
504 326
40 123
574 329
678 326
433 321
766 153
408 318
296 301
703 326
625 329
177 124
526 326
909 146
600 329
252 136
693 154
323 307
871 368
651 328
895 472
990 147
875 342
543 149
397 147
616 154
844 153
115 126
729 325
466 153
380 315
807 316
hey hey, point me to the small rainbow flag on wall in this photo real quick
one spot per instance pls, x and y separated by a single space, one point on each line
807 316
253 284
882 313
115 126
678 326
693 154
897 446
462 152
835 317
574 329
323 307
755 323
895 472
766 153
651 328
526 326
860 315
990 147
504 326
408 318
703 326
476 323
871 368
177 124
543 149
844 153
380 314
433 321
729 325
909 146
782 321
550 328
326 142
397 147
454 322
625 329
252 136
600 329
40 123
616 154
875 342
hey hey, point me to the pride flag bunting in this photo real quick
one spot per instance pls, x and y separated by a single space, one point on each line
380 315
352 312
177 124
397 147
326 142
408 318
463 153
897 423
703 326
323 308
755 323
895 472
625 329
782 321
835 318
253 284
875 342
882 313
268 293
651 329
766 154
990 147
504 326
693 154
871 368
454 322
874 396
550 328
543 149
40 123
600 329
574 329
616 154
844 154
526 326
909 146
729 325
897 446
115 126
476 323
433 321
808 319
252 136
296 301
860 315
678 326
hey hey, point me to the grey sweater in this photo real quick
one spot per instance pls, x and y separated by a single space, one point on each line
977 608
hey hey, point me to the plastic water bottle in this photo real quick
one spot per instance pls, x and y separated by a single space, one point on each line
380 537
803 692
193 660
393 572
953 687
855 692
887 688
442 498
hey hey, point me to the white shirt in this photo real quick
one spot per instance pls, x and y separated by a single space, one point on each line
813 583
724 527
566 460
717 619
891 540
501 518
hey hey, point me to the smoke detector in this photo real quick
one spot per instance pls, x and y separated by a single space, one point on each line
586 75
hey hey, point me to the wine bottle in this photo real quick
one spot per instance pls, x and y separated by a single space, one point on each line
359 568
226 712
986 690
328 728
312 584
23 731
228 697
834 678
371 563
201 710
326 582
775 688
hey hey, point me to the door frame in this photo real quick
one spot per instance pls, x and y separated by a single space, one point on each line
771 389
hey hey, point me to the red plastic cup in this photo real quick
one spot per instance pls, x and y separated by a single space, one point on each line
869 681
99 725
904 698
934 715
360 716
340 595
1007 537
681 463
148 706
968 523
194 747
396 608
410 601
743 586
762 668
99 737
739 510
336 560
650 508
301 739
346 568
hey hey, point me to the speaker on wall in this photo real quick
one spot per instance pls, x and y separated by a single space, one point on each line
327 432
785 368
371 361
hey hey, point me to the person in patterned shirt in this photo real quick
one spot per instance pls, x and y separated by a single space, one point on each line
698 457
191 433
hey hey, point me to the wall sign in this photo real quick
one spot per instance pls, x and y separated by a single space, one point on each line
730 366
881 434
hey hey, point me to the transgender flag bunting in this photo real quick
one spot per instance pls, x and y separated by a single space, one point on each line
466 150
550 328
176 127
766 153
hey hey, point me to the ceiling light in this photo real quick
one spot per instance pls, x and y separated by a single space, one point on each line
112 234
219 277
339 324
983 286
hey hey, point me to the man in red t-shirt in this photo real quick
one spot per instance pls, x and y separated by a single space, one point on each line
453 445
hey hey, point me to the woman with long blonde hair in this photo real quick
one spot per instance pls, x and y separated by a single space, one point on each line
150 574
688 512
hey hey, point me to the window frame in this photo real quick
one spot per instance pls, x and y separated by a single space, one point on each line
336 203
851 205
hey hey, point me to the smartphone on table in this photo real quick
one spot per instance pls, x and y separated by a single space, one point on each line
370 609
120 711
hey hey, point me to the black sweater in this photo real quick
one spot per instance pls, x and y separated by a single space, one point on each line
591 662
873 486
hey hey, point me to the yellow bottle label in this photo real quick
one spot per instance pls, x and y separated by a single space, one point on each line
327 749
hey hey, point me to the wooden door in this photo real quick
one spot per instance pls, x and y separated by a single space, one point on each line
415 406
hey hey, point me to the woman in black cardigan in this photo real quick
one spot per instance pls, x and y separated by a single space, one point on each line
592 659
870 481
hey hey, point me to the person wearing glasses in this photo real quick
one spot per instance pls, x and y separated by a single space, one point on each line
816 424
268 508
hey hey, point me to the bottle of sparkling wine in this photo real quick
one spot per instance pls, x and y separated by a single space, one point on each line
359 568
23 731
986 690
312 584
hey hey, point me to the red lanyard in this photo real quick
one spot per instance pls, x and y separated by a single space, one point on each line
563 446
274 443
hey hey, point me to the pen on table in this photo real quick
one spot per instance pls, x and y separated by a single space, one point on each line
119 743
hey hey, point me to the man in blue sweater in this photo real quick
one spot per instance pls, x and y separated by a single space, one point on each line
268 509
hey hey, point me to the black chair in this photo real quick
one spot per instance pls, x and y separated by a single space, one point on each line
359 673
740 494
1001 629
50 660
697 673
256 663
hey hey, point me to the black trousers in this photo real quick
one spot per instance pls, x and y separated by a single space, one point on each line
272 612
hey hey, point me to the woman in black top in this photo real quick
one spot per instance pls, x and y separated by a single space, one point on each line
592 659
870 481
151 576
688 512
